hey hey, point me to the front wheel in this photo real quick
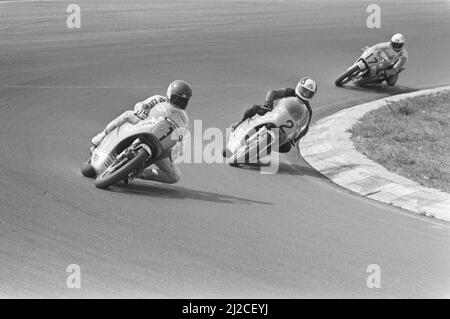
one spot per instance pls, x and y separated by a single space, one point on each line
347 76
257 146
119 171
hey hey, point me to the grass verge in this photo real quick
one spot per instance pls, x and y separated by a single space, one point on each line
410 138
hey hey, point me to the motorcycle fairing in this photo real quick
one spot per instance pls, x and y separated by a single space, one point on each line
288 115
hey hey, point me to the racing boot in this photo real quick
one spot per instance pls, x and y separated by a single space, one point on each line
128 179
392 79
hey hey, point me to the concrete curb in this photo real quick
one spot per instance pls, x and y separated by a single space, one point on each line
328 148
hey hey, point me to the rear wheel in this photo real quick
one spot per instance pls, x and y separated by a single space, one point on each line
87 169
119 171
347 76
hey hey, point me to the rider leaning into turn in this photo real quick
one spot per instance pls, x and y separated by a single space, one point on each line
395 52
304 91
172 105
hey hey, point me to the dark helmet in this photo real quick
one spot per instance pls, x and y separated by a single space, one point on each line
179 92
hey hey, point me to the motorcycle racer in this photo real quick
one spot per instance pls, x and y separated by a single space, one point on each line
304 91
394 52
172 105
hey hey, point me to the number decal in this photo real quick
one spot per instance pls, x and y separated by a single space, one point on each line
371 58
290 124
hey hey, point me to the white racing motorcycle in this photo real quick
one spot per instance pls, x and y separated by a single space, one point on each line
254 139
125 151
370 62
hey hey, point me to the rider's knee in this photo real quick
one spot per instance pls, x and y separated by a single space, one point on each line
285 148
392 80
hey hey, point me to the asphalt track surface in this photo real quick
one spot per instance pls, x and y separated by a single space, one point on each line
221 231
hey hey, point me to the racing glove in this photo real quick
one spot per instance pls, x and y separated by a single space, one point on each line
141 110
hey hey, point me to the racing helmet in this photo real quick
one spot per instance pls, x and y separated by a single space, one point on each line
179 92
306 88
397 42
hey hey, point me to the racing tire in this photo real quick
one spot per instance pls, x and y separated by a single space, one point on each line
347 76
247 155
87 170
108 178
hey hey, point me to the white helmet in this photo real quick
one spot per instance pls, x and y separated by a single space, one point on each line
306 88
397 41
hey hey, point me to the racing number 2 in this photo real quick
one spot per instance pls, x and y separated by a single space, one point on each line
290 124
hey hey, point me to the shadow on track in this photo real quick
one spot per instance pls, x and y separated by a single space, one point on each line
287 169
178 192
381 89
298 170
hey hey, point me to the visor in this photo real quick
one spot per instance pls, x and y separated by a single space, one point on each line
305 93
179 101
396 46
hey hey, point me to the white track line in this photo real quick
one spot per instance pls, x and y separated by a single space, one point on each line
111 87
20 1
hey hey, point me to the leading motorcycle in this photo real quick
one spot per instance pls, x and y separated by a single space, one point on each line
369 66
127 150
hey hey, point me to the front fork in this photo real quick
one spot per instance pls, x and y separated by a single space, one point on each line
133 148
369 73
363 67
